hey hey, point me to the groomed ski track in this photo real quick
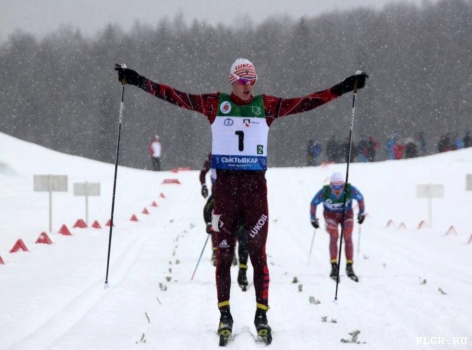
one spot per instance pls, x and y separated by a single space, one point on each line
152 303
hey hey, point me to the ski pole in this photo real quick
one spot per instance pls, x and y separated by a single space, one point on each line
311 246
114 179
359 241
200 258
353 113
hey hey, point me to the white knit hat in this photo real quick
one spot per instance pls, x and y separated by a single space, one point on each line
242 68
336 178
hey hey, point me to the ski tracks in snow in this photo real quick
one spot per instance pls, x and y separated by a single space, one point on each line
81 303
134 245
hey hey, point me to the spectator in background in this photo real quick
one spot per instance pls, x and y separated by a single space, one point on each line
363 149
317 149
457 143
390 144
155 149
310 157
398 150
411 149
421 143
444 143
372 146
467 140
332 149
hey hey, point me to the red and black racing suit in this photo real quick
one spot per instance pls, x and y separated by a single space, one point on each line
241 193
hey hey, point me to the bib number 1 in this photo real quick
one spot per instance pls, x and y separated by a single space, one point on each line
240 140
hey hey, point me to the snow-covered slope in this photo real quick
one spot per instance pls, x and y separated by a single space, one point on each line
414 290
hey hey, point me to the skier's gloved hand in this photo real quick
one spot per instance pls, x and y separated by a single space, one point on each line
360 218
348 84
315 223
129 76
204 191
209 228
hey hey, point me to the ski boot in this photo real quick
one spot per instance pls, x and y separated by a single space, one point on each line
213 256
334 271
263 329
225 328
350 272
242 278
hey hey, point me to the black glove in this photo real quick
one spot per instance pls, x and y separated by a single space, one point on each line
360 218
204 191
129 76
348 84
209 228
315 223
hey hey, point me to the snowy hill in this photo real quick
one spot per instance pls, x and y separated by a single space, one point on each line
414 290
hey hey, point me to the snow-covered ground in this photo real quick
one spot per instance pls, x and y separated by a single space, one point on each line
415 284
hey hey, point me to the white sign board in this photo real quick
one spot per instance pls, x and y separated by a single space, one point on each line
429 191
468 182
86 189
50 183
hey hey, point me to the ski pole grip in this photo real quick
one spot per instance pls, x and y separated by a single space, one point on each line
356 81
118 67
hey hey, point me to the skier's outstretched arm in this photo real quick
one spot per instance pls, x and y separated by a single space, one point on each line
280 107
204 103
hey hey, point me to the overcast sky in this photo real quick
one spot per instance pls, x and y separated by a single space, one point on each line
43 16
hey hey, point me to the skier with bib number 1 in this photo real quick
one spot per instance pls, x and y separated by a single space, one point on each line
240 124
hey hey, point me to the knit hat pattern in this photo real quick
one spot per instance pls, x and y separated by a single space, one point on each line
242 68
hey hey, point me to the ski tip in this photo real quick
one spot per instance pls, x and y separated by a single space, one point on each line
268 339
265 336
223 341
224 337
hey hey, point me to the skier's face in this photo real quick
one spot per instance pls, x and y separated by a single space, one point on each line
337 189
243 91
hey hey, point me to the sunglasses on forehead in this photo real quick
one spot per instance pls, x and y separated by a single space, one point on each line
245 81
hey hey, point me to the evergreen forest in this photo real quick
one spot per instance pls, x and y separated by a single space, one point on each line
62 92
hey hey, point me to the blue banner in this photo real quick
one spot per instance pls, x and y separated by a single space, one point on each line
224 162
